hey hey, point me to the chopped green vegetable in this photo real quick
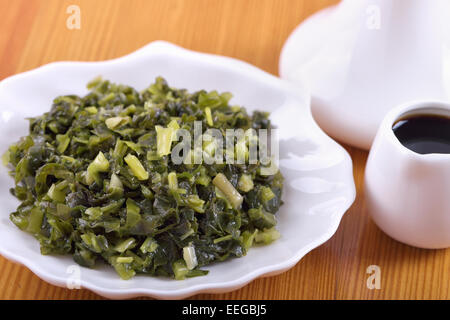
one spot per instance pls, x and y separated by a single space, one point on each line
56 194
164 138
267 236
208 115
124 260
136 167
115 122
95 179
35 221
261 218
221 182
189 257
248 238
115 185
180 270
91 110
245 183
100 164
149 246
63 142
173 181
267 194
129 243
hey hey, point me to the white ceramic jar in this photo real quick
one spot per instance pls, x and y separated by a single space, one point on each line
408 194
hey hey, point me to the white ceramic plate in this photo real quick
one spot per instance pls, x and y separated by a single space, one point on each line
319 185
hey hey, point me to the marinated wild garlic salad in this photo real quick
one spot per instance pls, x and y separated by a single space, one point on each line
96 179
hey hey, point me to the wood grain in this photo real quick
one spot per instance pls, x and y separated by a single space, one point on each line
33 32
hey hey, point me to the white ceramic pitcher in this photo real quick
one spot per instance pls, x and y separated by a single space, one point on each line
408 194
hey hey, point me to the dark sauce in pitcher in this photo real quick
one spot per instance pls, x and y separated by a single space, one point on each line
424 133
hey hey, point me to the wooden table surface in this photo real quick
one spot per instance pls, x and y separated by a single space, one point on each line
34 32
